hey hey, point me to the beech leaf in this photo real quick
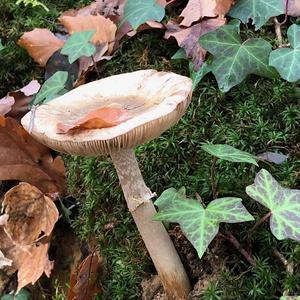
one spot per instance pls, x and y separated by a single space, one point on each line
100 118
23 158
40 44
138 12
200 225
51 87
229 153
79 45
260 11
287 60
294 8
233 59
283 203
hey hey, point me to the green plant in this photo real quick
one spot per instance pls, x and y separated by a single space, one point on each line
33 3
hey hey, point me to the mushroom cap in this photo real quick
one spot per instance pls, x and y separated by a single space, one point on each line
157 100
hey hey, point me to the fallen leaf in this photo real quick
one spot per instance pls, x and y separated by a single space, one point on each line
223 6
4 262
23 158
16 103
86 282
276 158
40 44
32 215
197 9
105 28
188 38
294 8
100 118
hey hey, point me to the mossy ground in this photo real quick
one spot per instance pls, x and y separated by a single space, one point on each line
258 115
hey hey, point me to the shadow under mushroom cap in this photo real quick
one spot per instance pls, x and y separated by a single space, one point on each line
156 100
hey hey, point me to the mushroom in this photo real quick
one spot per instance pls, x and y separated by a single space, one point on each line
155 101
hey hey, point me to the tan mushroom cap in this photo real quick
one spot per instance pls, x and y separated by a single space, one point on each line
156 100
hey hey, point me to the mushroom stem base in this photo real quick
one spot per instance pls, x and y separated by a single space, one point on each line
154 234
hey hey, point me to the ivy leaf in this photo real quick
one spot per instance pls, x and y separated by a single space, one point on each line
22 295
260 11
234 59
179 54
79 45
283 203
197 76
290 298
287 60
138 12
229 153
53 86
199 225
1 45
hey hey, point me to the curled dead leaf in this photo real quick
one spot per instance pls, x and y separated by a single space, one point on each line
15 104
4 262
40 44
100 118
32 215
85 283
23 158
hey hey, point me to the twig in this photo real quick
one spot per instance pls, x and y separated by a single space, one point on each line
95 67
288 266
260 221
213 177
233 240
278 31
199 198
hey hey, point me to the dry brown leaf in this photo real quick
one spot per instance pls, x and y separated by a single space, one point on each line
85 285
23 158
32 215
40 44
105 28
100 118
188 38
197 9
16 103
223 6
32 263
294 8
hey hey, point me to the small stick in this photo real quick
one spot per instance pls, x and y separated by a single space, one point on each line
233 240
32 117
213 177
95 67
260 221
278 31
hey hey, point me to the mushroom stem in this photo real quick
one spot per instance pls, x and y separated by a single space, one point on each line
154 234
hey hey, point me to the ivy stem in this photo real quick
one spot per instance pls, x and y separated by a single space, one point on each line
95 67
260 221
213 177
233 240
278 31
286 12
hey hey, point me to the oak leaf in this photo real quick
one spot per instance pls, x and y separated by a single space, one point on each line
188 38
32 215
40 44
105 28
23 158
100 118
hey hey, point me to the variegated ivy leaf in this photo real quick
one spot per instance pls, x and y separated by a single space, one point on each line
138 12
79 45
287 60
260 11
233 59
51 87
200 225
283 203
229 153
